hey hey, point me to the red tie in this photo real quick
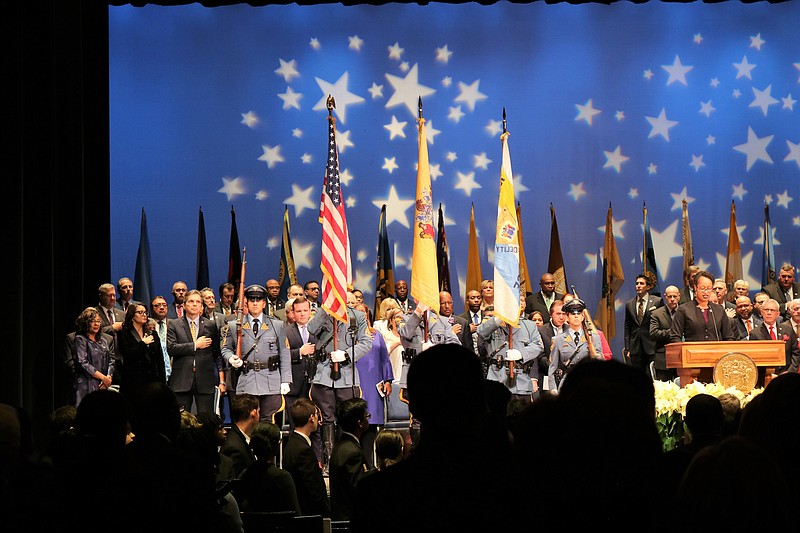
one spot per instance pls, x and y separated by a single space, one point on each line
772 333
179 310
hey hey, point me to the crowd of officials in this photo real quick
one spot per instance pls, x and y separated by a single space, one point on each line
507 426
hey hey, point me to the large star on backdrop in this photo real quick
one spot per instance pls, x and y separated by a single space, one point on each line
755 148
396 207
466 182
408 91
232 187
666 248
272 155
677 71
300 199
661 125
470 94
341 96
615 159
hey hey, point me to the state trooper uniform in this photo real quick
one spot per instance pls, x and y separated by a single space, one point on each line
570 346
265 367
412 332
527 341
327 392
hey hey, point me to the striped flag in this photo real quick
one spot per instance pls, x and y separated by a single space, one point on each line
474 274
768 272
336 267
424 271
506 246
287 275
733 263
613 277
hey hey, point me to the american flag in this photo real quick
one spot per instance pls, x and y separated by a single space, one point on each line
337 274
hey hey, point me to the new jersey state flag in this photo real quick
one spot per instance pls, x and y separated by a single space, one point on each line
506 246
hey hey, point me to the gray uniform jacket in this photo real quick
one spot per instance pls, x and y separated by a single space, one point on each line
411 335
526 339
351 338
564 348
270 342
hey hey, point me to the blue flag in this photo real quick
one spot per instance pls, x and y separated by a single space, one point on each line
142 279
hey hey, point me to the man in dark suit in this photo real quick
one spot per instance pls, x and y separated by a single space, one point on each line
660 326
459 324
348 465
274 301
226 296
301 348
193 343
745 321
542 300
111 317
551 328
687 292
474 317
639 345
301 462
785 289
179 293
771 330
125 289
245 414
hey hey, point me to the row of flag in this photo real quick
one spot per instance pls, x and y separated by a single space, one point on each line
430 259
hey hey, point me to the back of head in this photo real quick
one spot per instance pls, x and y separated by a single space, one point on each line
350 412
301 411
103 414
430 396
156 410
388 447
265 440
704 416
242 405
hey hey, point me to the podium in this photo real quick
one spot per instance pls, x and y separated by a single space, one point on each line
690 358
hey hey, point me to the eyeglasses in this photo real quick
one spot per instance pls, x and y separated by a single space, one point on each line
704 289
160 305
141 313
96 321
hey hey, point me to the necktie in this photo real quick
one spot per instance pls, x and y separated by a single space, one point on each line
577 338
772 333
110 318
304 333
476 319
162 331
749 326
179 310
640 312
193 329
797 329
255 327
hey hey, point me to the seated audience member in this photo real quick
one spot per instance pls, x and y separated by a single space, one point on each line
704 420
212 424
348 464
264 487
301 462
448 476
389 448
732 409
245 413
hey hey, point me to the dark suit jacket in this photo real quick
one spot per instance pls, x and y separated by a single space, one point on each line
300 365
347 467
784 329
535 302
638 341
660 328
301 462
143 363
207 361
236 448
172 312
741 329
468 317
266 488
106 326
547 334
775 292
465 337
688 324
686 296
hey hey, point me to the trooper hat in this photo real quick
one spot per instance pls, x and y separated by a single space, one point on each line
255 291
576 304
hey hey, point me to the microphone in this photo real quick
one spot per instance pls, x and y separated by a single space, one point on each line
711 308
451 319
353 326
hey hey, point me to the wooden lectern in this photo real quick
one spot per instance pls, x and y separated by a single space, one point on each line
689 358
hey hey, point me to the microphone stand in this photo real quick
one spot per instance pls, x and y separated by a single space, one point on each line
353 331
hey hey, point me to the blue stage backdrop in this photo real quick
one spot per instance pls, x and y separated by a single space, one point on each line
623 104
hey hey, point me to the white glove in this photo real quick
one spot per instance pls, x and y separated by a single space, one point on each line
426 345
284 388
235 361
513 355
338 356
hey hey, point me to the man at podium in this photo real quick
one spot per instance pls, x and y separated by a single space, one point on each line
699 319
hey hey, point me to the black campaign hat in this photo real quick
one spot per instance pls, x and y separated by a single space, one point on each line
255 291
